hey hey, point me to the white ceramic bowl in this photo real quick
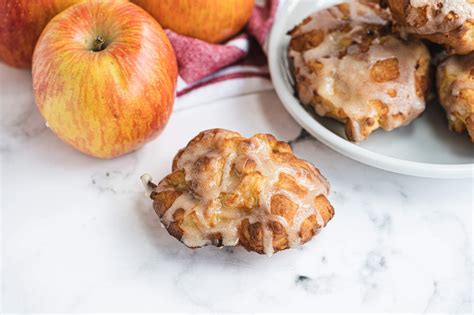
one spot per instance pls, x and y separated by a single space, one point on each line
424 148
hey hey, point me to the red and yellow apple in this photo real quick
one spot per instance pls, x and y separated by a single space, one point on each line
104 77
210 20
21 23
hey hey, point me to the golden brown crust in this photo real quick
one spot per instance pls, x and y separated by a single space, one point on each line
449 23
348 66
455 83
229 190
385 70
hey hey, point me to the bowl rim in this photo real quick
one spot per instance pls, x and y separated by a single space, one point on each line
277 71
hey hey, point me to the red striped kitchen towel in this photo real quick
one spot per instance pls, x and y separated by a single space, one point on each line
208 72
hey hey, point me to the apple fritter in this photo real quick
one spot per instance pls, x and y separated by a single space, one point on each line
446 22
227 190
348 66
455 83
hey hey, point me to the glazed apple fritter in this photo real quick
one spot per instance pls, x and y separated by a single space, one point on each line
227 190
446 22
348 66
455 83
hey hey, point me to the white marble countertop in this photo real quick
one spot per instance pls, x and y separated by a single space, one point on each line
79 235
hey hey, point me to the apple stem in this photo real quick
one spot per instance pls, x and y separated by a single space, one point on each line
98 43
